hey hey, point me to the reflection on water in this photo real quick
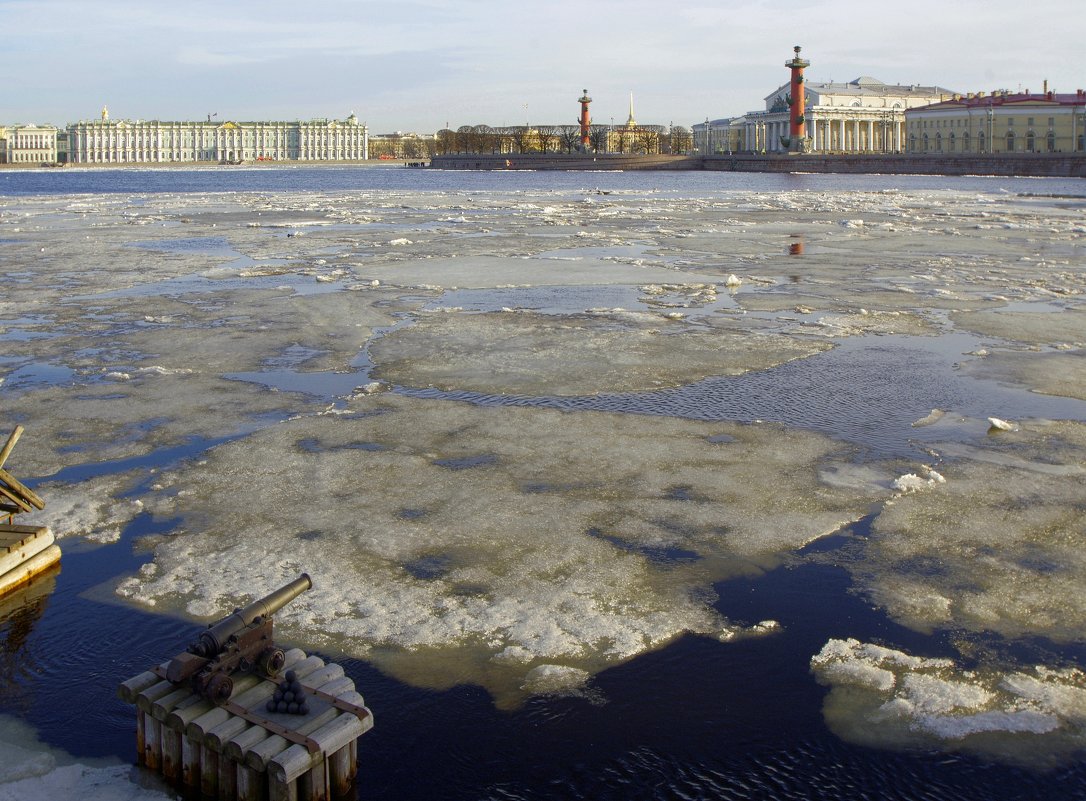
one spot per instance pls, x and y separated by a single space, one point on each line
20 612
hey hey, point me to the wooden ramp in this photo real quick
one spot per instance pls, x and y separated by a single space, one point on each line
239 751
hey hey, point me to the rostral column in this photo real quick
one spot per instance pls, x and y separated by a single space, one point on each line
586 140
797 102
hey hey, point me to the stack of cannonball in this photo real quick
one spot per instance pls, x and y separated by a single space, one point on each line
289 697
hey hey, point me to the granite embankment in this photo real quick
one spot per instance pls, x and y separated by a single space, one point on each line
1061 165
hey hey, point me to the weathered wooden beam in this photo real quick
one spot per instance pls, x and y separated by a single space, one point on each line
13 437
17 486
15 499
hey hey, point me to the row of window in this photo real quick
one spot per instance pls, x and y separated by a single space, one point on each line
1030 144
966 122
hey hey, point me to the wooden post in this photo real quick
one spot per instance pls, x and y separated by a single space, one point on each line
171 754
280 791
141 737
340 776
190 762
228 778
313 784
209 771
250 784
152 755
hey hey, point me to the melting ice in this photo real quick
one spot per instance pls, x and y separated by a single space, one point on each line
522 548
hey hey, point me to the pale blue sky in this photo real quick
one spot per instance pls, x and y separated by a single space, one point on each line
419 64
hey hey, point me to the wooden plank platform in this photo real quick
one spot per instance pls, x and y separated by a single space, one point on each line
242 752
25 552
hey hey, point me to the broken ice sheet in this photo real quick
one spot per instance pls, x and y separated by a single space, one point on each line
999 547
1053 373
1066 328
451 543
94 509
1033 715
534 354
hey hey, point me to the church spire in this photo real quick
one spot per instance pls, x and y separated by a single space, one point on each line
631 122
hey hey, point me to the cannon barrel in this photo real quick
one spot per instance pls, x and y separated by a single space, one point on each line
213 640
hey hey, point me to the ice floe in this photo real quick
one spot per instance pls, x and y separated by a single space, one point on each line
886 697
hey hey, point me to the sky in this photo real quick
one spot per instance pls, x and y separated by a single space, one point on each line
422 65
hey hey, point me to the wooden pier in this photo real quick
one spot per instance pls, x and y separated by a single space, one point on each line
239 751
25 551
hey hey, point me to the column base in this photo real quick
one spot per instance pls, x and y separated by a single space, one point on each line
796 144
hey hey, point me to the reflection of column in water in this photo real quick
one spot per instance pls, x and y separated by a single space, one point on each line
796 248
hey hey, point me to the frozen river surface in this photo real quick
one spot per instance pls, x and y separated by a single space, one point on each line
611 485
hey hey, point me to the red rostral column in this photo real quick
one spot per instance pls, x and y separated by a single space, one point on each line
585 121
797 100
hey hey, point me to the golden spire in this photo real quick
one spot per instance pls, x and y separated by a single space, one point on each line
631 122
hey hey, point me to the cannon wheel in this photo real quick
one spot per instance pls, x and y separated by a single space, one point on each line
271 661
219 688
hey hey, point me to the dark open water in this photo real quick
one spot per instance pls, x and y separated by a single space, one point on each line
698 719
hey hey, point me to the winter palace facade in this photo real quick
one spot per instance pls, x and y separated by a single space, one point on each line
106 141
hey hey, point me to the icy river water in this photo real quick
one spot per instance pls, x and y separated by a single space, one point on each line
611 485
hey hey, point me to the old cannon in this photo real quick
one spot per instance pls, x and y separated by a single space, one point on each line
240 642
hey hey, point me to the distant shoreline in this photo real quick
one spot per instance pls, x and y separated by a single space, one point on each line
1019 165
1022 165
212 165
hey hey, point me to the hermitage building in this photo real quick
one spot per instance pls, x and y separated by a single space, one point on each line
106 141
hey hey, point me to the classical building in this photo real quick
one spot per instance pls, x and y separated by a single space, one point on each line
719 137
106 141
1000 122
862 116
28 144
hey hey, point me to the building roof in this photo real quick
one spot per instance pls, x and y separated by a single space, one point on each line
867 86
1003 98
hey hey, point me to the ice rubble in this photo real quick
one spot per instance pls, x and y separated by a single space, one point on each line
886 697
512 537
30 770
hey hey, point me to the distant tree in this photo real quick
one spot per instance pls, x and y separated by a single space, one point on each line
380 147
522 138
446 141
597 136
465 139
569 137
546 138
485 138
682 140
648 137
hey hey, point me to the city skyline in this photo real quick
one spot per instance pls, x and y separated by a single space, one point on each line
422 64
